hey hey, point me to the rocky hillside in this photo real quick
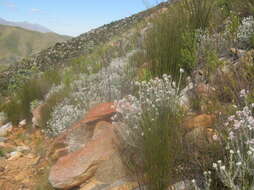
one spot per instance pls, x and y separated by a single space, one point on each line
17 43
60 53
140 104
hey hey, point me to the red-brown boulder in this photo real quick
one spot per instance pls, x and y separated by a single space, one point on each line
79 166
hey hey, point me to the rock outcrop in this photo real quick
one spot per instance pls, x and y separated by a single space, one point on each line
97 159
86 155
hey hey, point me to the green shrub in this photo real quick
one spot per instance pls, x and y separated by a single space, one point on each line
199 12
241 7
19 105
52 76
164 43
172 42
86 65
161 145
1 153
13 110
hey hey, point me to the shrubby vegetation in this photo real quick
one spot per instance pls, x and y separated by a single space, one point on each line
199 39
109 84
31 90
151 131
172 42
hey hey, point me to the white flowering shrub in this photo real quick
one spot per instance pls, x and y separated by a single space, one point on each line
109 84
149 127
236 172
246 31
218 42
152 96
235 34
63 116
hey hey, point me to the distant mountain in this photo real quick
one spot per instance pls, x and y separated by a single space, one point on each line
17 43
26 25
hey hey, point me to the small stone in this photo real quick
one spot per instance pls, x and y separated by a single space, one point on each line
5 129
15 155
22 148
2 169
22 123
30 156
3 139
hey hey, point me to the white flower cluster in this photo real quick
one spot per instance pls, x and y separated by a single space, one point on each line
222 41
152 96
241 152
246 30
64 115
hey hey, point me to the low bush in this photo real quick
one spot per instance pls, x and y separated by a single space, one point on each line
109 84
246 32
19 105
150 131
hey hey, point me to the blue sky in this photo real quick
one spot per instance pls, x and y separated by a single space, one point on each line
71 17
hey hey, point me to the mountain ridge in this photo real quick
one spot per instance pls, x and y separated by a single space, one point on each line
26 25
17 43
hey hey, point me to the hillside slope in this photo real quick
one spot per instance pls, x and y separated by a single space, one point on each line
16 43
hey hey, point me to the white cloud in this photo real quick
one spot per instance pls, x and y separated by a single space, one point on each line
35 10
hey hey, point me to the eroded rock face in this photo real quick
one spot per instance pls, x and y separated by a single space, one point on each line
98 158
100 112
81 132
71 140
